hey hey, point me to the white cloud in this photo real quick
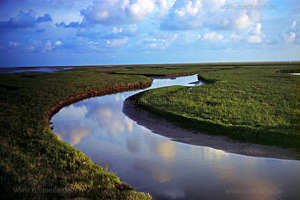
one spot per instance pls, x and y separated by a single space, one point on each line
212 36
164 7
43 46
57 43
256 34
290 38
192 14
122 11
171 2
117 42
14 44
292 35
47 47
106 32
241 22
140 9
256 31
151 46
25 20
184 15
158 41
294 24
254 39
130 30
116 30
234 36
159 34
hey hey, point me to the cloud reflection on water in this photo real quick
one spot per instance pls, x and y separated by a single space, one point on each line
166 150
133 144
159 174
72 127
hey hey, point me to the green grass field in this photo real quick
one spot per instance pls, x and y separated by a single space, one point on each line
249 103
246 102
32 157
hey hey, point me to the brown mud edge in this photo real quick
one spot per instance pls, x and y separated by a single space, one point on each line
107 90
93 93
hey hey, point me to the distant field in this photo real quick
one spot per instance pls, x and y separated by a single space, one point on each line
171 69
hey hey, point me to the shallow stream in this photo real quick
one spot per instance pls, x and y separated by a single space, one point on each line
164 168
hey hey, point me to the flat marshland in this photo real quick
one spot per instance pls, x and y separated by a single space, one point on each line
248 102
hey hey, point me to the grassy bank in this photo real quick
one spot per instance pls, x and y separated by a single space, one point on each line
33 162
249 103
32 157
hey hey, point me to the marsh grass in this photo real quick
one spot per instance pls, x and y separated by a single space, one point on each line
251 104
32 157
172 70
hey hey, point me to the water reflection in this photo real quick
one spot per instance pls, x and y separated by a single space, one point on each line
164 168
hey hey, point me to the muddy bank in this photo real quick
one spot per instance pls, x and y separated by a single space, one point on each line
110 90
161 126
93 93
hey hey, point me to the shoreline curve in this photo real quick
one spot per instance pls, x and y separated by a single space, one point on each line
175 133
93 93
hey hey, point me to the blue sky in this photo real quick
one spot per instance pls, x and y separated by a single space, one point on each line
102 32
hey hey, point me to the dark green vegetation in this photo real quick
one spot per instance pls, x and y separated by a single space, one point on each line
243 101
32 157
248 103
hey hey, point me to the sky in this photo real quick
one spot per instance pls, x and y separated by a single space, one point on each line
107 32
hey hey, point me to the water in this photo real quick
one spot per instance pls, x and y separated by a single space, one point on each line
295 74
32 69
164 168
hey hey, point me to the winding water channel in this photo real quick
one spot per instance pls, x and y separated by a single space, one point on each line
165 168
